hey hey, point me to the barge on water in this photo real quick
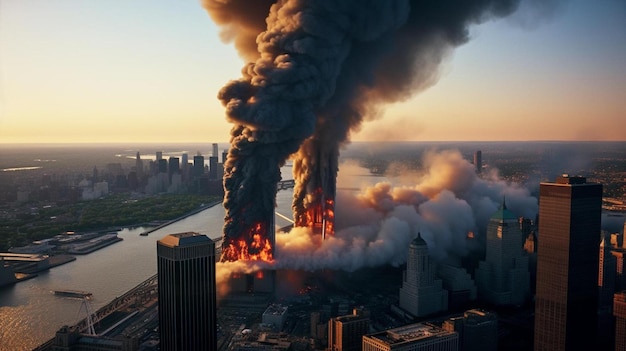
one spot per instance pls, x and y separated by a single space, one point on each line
73 293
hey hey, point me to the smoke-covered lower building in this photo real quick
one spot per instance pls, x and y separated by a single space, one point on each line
421 294
414 337
275 315
477 329
345 333
459 284
503 277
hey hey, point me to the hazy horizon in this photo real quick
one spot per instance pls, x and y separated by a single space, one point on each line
114 72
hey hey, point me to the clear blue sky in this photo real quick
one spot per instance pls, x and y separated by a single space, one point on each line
150 70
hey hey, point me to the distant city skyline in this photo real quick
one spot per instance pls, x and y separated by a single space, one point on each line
87 71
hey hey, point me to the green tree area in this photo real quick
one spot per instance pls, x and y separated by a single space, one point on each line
113 211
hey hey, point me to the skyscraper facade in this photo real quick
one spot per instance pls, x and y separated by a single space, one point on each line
567 264
187 292
477 329
503 277
345 333
478 161
619 311
198 166
421 294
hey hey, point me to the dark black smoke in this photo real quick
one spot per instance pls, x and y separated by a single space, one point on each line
321 68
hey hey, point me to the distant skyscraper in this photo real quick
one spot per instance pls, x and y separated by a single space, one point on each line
187 292
162 164
159 156
345 333
421 294
215 150
567 264
184 166
503 277
224 156
213 167
413 337
198 166
619 311
478 161
477 329
139 166
173 167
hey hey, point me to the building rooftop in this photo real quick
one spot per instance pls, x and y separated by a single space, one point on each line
503 214
418 241
184 239
409 333
275 309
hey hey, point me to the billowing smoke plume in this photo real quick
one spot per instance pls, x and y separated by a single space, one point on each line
320 67
444 201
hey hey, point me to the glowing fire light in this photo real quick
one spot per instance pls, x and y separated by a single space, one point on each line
320 216
255 246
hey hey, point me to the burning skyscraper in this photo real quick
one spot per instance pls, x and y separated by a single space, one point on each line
317 69
315 188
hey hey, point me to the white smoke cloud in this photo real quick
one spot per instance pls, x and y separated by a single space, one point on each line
444 201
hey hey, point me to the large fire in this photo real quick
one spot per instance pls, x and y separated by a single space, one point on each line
255 246
320 216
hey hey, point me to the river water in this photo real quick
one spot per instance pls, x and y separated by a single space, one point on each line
30 313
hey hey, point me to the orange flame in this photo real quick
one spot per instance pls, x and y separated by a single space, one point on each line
320 216
255 246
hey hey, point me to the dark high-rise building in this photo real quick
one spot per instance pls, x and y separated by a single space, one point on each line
187 292
502 277
213 167
184 166
477 329
198 166
478 161
139 166
162 166
567 264
345 333
619 311
173 167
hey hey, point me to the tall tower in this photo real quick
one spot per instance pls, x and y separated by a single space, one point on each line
187 292
198 165
503 277
478 161
567 264
619 311
421 294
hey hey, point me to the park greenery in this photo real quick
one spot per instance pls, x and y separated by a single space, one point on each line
114 211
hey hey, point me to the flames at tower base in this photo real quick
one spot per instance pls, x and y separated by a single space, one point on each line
315 172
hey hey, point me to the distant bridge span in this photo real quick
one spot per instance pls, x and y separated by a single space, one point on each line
286 184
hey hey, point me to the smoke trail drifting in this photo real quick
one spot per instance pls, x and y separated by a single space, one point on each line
445 201
321 67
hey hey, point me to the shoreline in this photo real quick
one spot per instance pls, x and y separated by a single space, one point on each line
189 214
